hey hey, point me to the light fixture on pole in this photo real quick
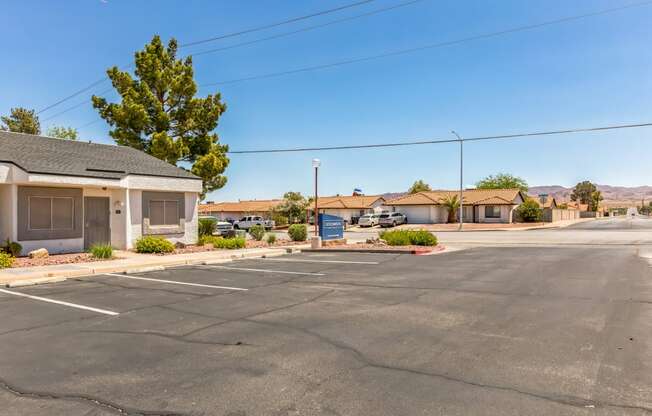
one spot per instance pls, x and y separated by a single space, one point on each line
461 178
315 164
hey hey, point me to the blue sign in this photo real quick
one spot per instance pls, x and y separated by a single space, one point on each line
331 227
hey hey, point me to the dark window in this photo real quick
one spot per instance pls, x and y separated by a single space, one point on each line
492 211
163 212
50 213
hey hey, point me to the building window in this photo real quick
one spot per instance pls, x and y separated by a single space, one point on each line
50 213
492 211
163 212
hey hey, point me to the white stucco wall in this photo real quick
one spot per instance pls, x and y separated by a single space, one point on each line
505 214
135 214
6 218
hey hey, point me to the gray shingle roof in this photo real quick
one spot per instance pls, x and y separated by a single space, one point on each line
46 155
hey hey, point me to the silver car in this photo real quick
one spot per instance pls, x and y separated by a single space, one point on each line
368 220
392 219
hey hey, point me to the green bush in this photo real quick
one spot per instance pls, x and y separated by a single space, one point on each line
257 232
409 238
6 260
102 251
153 244
530 211
271 238
207 226
12 247
280 220
223 243
298 232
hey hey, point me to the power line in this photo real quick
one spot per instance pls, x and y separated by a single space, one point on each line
307 29
440 141
237 45
76 105
276 24
429 46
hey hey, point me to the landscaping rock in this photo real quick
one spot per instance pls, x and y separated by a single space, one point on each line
179 244
41 253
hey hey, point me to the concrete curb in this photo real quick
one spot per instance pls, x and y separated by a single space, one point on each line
56 276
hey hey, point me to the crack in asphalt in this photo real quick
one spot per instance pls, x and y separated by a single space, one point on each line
180 338
90 400
368 362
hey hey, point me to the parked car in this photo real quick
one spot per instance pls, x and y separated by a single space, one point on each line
392 219
369 220
221 227
245 223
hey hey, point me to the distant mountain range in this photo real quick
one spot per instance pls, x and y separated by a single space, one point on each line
613 195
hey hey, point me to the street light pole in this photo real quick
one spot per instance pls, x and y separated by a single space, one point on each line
461 179
315 164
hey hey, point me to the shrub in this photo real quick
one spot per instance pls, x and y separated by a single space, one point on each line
529 211
298 232
257 232
280 220
12 247
271 238
223 243
6 260
207 226
153 244
102 251
409 237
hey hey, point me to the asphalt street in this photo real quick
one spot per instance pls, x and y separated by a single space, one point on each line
621 223
481 331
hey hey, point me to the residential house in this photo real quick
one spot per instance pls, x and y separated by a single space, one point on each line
235 210
350 207
66 195
545 201
479 205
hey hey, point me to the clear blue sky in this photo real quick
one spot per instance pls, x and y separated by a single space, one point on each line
595 71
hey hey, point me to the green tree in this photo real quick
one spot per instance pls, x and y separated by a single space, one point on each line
596 198
583 192
418 186
502 181
60 132
452 203
21 120
159 113
293 206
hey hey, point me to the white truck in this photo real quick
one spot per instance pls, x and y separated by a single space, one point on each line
245 223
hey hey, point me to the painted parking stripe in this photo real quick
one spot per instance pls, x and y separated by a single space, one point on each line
173 282
59 302
244 269
321 261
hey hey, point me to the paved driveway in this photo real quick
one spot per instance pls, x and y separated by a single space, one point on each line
484 331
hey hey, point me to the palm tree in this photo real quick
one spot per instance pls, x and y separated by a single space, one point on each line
452 202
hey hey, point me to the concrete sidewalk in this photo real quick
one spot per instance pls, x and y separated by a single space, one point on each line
129 263
474 226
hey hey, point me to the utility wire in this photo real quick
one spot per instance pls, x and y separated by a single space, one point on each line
237 45
276 24
76 105
430 46
440 141
306 29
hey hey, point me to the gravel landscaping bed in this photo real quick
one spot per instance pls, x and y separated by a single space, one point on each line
55 259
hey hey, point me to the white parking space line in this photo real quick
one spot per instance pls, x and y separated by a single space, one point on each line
264 270
173 282
320 261
59 302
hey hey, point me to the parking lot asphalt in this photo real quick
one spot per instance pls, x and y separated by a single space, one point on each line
483 331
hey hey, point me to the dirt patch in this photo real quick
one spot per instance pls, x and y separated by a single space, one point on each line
55 259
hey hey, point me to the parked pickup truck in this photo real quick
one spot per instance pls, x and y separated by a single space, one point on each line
245 223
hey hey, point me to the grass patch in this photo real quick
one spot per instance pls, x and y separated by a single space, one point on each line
409 238
102 251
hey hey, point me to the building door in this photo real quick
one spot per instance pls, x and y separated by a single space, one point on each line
97 229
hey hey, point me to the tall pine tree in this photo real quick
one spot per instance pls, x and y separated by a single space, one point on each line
159 113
